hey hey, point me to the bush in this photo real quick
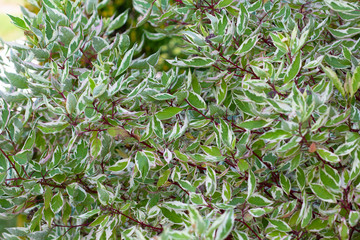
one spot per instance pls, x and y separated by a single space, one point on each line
252 134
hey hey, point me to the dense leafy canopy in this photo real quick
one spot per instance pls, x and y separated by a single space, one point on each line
252 134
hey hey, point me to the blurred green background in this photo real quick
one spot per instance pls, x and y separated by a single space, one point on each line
9 32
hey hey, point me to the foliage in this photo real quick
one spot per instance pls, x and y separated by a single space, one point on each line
252 134
8 31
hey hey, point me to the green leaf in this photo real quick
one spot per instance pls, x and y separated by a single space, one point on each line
57 203
355 81
147 15
305 215
276 134
255 6
103 194
328 181
193 62
47 197
158 127
138 89
99 90
17 80
280 225
330 178
49 216
196 39
154 36
124 42
227 134
66 35
66 212
71 103
95 147
163 177
253 124
4 165
251 184
99 44
344 230
52 127
199 123
242 20
293 69
197 199
257 212
171 215
344 33
168 113
259 200
334 79
213 151
163 96
255 97
322 193
354 217
285 184
226 226
337 62
243 165
99 220
125 62
56 16
338 119
226 192
118 22
154 58
18 22
317 225
291 144
197 219
196 101
327 155
119 165
223 3
261 72
142 164
210 181
88 214
314 63
339 6
278 43
347 53
187 185
90 6
36 219
221 93
300 178
346 148
117 132
23 157
247 45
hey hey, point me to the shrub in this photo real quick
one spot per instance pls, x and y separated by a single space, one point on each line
252 134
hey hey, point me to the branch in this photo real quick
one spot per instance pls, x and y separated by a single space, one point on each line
115 211
12 164
197 110
252 230
71 226
177 184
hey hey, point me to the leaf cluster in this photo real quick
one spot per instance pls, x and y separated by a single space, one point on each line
253 133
